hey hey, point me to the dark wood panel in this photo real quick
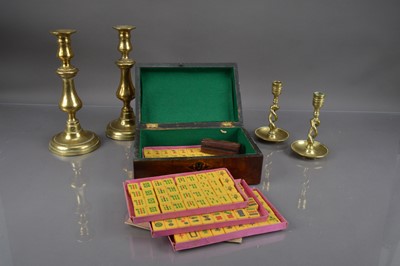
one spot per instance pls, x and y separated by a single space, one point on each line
244 167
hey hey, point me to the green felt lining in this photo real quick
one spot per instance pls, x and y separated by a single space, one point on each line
193 136
188 94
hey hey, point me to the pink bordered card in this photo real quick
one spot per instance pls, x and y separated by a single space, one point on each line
275 222
253 213
184 194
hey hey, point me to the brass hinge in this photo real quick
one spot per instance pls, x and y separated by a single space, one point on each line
151 125
227 124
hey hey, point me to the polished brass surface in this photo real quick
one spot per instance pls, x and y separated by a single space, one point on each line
123 128
73 140
272 133
311 148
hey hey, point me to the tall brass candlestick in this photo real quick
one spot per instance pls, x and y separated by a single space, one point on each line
311 148
123 128
73 140
272 133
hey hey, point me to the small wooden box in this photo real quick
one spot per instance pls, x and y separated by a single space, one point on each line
181 104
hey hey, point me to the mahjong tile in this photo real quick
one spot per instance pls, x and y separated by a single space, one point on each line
148 193
183 222
171 224
138 202
193 235
153 209
206 218
240 213
136 194
194 186
146 185
229 188
183 187
204 185
190 204
161 190
172 190
263 223
132 187
241 227
190 179
197 194
224 199
179 206
140 211
201 177
209 192
158 225
168 182
205 233
229 229
213 201
219 190
157 183
201 203
163 199
166 207
175 197
187 195
252 204
195 220
218 217
179 238
229 215
180 180
252 213
272 219
151 201
226 180
214 183
217 231
235 197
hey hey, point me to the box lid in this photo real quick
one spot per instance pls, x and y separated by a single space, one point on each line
179 95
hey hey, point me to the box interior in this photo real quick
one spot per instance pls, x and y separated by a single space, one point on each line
187 95
193 136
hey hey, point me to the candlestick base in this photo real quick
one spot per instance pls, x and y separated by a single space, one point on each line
312 151
121 129
74 143
275 135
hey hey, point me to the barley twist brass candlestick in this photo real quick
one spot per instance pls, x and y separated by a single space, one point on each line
123 128
272 133
311 148
73 140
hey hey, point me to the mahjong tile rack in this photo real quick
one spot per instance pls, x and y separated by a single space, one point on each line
184 194
255 212
275 222
174 151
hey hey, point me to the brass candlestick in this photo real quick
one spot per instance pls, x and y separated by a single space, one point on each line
123 128
310 148
74 140
272 133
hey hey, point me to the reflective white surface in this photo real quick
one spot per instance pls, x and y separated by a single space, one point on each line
342 210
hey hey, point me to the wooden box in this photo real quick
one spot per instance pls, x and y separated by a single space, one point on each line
181 104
